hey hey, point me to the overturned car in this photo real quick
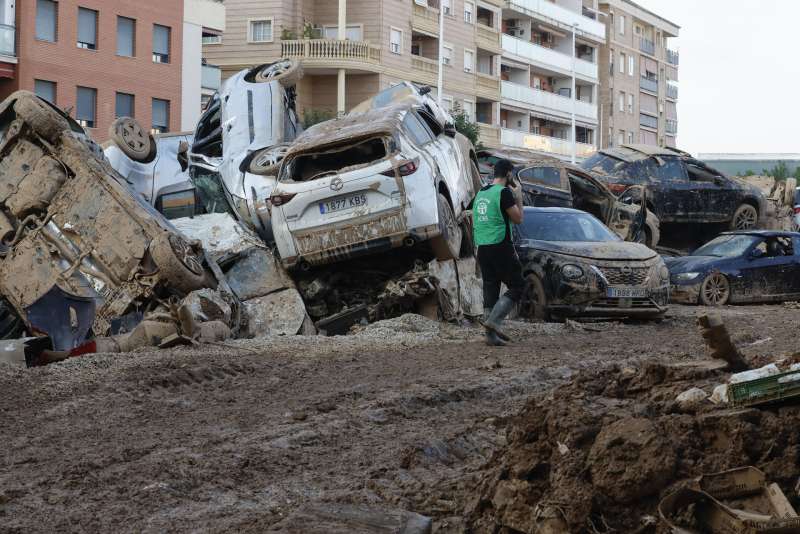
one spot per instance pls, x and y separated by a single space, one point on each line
79 247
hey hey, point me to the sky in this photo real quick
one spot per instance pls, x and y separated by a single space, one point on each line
739 73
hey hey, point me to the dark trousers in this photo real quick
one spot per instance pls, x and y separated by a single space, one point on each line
500 264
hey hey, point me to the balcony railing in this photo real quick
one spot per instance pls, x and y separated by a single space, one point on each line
489 135
559 16
210 77
563 147
332 50
7 40
648 121
671 126
425 19
672 57
533 53
487 38
647 46
528 96
672 92
488 84
648 84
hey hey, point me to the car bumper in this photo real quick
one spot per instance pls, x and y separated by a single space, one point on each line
597 304
685 293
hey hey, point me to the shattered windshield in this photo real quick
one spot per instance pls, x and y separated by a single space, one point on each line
603 162
553 226
209 189
727 246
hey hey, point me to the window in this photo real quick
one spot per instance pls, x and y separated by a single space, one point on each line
260 31
621 24
630 138
433 126
416 130
45 89
124 105
469 61
447 55
447 6
86 108
395 41
47 20
87 28
212 38
469 110
547 176
161 38
468 9
622 101
621 63
621 138
160 115
447 102
352 32
126 37
630 104
611 137
630 65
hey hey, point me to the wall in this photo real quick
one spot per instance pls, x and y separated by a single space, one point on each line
192 74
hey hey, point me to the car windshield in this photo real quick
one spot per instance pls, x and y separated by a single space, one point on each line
554 226
603 162
727 246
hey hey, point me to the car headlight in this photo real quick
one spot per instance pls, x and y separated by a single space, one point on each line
663 272
571 272
685 277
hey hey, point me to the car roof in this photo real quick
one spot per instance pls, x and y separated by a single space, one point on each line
763 233
640 152
531 209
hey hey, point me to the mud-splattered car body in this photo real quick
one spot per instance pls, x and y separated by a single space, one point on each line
80 247
240 139
796 221
372 181
680 188
575 266
739 267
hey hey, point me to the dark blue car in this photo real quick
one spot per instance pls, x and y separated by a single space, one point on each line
745 266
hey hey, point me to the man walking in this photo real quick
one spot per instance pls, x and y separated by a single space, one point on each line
494 209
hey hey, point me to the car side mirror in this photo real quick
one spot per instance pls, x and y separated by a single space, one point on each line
756 254
450 130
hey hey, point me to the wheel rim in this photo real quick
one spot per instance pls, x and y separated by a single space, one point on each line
185 253
275 70
746 218
270 157
132 135
715 289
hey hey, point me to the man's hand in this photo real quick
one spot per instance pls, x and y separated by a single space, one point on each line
516 190
515 212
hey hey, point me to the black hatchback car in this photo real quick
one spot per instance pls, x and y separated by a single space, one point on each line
680 188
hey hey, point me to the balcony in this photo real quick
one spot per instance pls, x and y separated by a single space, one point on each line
672 92
528 52
426 70
647 121
487 86
488 38
489 135
672 57
210 77
530 98
542 143
7 41
647 46
425 19
561 17
332 53
671 126
648 84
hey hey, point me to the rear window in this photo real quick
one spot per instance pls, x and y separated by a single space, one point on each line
797 197
546 176
316 165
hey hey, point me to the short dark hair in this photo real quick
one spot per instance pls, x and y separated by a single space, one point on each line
502 168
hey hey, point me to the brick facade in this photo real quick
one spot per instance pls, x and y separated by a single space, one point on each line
68 66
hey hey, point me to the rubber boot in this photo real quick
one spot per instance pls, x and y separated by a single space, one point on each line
498 315
493 340
487 313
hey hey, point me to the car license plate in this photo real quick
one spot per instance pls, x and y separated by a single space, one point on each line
343 203
627 292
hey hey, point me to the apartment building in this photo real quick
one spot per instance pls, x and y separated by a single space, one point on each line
547 46
351 49
8 46
638 76
203 21
100 59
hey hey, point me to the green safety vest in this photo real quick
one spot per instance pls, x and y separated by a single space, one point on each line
488 221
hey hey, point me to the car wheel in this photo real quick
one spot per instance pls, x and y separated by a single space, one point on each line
179 264
533 304
43 120
131 138
447 245
744 218
268 161
11 326
286 71
715 290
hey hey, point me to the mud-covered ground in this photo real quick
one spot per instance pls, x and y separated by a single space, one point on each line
238 437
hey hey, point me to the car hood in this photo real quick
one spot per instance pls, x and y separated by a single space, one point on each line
690 264
605 250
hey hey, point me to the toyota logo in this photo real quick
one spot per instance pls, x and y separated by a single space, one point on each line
337 184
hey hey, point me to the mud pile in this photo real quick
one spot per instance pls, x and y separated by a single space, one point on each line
598 454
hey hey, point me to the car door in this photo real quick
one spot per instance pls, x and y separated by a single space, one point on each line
669 190
544 186
793 268
717 198
762 274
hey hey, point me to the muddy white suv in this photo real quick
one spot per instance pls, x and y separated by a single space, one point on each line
79 247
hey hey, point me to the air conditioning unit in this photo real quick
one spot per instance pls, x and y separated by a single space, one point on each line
517 32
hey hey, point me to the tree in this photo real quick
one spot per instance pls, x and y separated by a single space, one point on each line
749 172
796 174
465 126
315 116
780 171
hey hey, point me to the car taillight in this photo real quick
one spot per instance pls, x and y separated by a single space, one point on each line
797 210
617 188
409 167
281 199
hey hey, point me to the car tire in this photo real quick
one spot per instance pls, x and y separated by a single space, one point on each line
268 161
447 245
43 120
180 266
744 218
286 71
715 290
132 139
789 191
11 326
533 304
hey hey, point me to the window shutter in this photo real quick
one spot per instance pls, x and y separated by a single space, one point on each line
86 104
46 20
160 40
160 113
87 26
125 36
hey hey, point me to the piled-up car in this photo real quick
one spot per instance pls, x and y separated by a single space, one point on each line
79 248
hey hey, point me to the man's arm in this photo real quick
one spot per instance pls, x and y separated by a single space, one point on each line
511 203
514 214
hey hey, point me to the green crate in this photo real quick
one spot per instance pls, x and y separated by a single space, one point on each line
765 390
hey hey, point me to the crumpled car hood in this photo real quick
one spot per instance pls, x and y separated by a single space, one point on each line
606 250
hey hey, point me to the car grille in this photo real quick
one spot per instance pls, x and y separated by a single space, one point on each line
628 303
618 276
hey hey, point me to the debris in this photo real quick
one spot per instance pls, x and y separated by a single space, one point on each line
768 387
24 352
208 305
277 314
720 394
754 374
351 519
340 323
255 273
220 234
719 341
690 398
